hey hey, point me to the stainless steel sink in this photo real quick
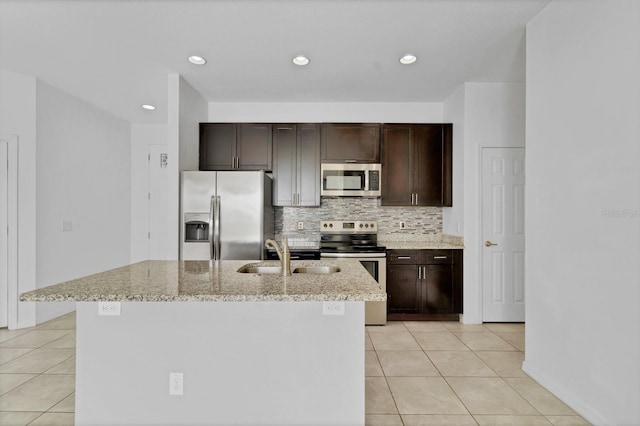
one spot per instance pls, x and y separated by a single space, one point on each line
253 269
257 269
316 270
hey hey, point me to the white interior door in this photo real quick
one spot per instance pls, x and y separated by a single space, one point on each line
157 204
4 227
503 185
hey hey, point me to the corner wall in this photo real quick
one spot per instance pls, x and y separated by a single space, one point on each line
186 108
18 117
583 207
83 179
484 115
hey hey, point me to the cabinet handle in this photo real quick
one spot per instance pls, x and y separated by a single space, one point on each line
416 199
403 257
237 162
412 194
350 161
439 257
419 272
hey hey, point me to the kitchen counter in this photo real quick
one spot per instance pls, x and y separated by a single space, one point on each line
291 349
438 241
204 281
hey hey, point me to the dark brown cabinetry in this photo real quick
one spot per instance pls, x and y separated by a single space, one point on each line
416 165
296 164
424 284
350 143
235 146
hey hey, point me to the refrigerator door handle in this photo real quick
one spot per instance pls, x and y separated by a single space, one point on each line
211 225
216 222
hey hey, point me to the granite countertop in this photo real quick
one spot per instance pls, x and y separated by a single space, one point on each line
437 241
167 281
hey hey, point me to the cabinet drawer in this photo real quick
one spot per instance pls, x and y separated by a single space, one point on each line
406 257
437 257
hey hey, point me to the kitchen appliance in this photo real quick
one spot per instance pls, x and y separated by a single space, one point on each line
358 240
225 215
351 180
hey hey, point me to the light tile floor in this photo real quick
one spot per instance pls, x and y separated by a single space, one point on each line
417 373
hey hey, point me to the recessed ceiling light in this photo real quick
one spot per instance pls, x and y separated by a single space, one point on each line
148 107
301 60
197 60
408 59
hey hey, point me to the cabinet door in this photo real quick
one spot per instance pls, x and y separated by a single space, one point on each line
284 164
397 165
217 146
308 167
433 167
351 143
254 148
438 289
403 289
428 166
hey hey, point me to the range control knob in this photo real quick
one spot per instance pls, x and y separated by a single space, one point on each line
324 225
331 225
360 225
366 225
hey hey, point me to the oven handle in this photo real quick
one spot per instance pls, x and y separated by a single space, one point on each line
353 255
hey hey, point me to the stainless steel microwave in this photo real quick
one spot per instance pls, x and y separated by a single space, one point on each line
351 180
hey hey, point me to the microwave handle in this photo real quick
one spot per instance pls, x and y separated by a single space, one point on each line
350 161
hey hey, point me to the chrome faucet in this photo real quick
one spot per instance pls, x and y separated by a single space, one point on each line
283 254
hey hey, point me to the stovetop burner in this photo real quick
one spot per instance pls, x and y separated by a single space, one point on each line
349 237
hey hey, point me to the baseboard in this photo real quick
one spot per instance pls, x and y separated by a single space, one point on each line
564 395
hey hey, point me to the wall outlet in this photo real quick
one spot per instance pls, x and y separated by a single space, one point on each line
300 225
109 308
333 308
176 383
402 224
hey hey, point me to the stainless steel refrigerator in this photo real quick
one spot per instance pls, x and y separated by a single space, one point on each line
225 215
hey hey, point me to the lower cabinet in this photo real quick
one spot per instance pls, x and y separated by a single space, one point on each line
424 284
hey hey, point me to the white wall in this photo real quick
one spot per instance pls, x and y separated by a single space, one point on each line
83 177
454 110
484 115
368 112
186 108
18 117
142 135
583 201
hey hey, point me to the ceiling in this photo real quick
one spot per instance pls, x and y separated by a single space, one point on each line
116 54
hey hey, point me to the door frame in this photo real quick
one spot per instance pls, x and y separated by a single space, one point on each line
480 228
12 221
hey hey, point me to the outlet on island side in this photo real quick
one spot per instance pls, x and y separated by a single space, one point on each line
300 225
402 224
176 384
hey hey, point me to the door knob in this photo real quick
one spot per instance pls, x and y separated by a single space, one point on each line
489 244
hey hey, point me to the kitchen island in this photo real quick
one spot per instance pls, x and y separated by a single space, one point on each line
251 348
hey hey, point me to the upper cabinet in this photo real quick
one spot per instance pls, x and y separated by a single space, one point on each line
235 146
296 165
416 165
350 143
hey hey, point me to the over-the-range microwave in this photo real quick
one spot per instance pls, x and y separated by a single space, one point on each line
351 179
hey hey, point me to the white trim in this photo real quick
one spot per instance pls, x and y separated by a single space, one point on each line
12 220
564 395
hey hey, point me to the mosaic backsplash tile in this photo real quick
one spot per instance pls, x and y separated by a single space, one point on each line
420 222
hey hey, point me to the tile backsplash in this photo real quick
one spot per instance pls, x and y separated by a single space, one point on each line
419 221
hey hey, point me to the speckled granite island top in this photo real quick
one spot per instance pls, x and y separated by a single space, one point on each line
160 280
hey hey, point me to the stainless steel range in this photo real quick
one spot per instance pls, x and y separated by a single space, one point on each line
358 240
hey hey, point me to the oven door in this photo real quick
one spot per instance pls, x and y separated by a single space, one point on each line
375 313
